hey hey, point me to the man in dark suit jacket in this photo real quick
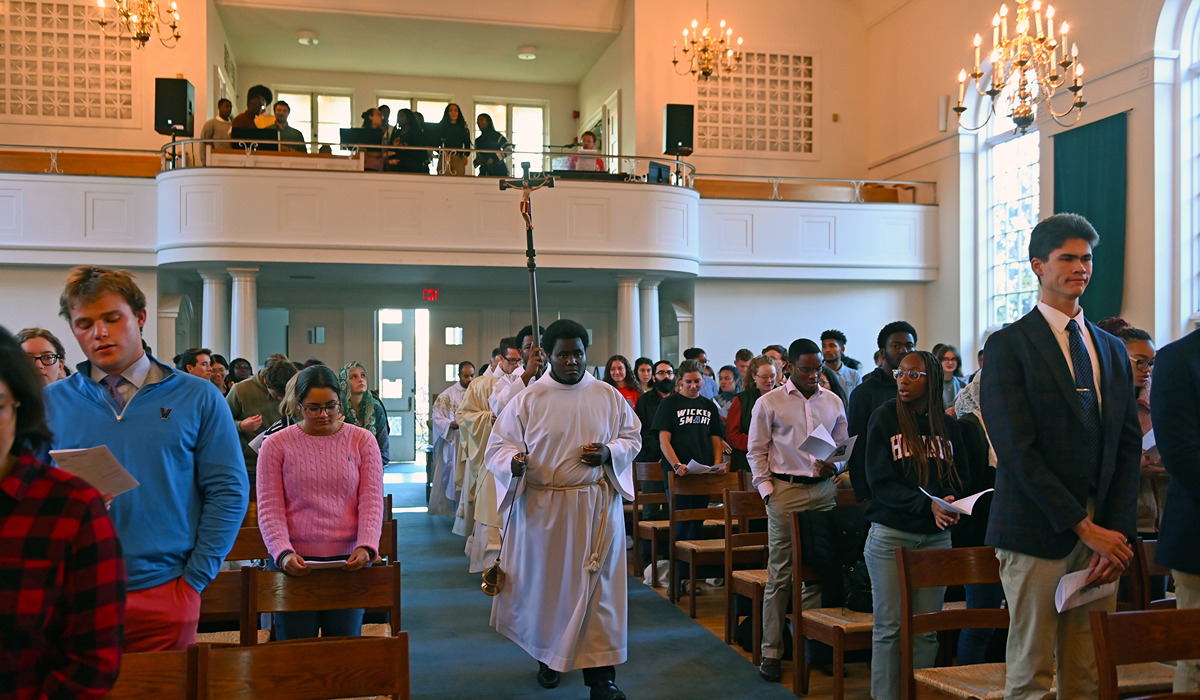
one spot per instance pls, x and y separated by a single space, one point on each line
1059 406
1174 397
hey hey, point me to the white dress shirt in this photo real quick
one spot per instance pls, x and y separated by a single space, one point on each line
781 420
1058 324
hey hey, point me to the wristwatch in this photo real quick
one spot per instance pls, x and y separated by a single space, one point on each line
676 467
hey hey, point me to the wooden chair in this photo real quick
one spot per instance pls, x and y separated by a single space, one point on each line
389 543
221 602
704 552
387 508
947 567
1145 551
156 674
653 530
841 628
248 545
323 589
1137 641
251 518
306 670
741 507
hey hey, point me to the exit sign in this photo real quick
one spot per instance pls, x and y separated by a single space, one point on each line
429 294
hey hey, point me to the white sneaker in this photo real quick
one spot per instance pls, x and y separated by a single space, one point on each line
628 542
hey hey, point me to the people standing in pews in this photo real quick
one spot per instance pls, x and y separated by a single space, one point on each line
362 407
46 353
320 498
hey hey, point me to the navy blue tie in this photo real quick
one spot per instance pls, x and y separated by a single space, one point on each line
1085 387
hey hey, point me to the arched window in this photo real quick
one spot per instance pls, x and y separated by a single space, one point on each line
1010 208
1189 162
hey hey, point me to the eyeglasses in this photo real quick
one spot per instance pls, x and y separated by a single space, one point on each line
807 370
912 374
311 409
665 373
47 360
1143 365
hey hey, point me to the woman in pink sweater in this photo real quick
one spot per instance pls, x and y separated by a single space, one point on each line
320 499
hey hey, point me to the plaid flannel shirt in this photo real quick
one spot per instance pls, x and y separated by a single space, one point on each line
62 586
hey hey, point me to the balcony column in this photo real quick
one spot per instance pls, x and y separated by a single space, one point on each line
629 340
651 337
214 332
244 328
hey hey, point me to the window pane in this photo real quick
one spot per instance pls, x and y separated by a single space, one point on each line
432 110
395 104
528 131
333 113
300 117
1014 211
498 113
451 373
454 335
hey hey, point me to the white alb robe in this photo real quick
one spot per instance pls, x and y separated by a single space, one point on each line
506 389
443 498
553 605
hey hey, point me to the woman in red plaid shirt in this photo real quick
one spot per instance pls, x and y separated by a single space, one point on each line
62 579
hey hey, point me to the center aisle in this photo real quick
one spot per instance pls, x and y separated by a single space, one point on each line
455 654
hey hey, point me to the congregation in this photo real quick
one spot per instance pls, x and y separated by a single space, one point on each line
534 456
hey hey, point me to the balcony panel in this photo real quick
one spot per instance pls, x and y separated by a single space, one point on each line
224 214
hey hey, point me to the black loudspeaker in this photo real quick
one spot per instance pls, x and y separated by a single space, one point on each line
174 107
677 129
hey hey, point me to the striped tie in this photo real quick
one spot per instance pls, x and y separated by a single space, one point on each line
1085 388
111 382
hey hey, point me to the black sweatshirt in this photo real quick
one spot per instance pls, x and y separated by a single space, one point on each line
896 500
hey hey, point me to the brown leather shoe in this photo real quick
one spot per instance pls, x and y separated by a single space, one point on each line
771 670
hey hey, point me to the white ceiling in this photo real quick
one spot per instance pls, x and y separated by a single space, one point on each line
396 45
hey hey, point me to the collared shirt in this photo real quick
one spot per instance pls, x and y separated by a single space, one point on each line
1058 324
62 586
781 420
137 375
850 378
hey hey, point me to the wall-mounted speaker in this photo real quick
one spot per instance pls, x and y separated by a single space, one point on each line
174 107
677 130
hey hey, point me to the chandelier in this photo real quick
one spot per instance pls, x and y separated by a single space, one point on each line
707 54
138 19
1033 62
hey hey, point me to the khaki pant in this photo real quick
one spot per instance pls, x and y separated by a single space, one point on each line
1038 633
787 498
1187 595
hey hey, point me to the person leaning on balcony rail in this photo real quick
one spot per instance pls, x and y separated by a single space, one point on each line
219 127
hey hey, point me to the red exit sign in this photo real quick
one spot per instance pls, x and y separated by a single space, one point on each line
429 294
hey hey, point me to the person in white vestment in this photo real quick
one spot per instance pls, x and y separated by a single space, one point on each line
443 497
533 361
563 450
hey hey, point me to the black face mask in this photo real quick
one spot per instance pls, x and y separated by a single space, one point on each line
665 385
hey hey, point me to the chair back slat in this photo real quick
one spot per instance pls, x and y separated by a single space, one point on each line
222 597
330 668
1141 636
156 674
647 473
251 518
1144 552
323 589
389 542
741 508
951 567
248 545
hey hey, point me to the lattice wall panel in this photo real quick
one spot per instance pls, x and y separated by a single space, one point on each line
767 106
56 66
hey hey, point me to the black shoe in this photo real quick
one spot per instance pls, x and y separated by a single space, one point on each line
546 676
827 668
607 690
771 670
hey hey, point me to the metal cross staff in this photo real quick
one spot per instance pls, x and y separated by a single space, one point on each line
527 185
494 577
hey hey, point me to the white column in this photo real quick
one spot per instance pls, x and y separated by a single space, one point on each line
629 341
214 330
244 336
168 316
651 337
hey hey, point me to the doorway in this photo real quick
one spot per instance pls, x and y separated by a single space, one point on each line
404 381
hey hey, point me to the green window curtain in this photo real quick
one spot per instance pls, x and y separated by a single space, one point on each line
1090 180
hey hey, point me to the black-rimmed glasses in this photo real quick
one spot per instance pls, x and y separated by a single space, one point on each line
1143 365
47 360
312 409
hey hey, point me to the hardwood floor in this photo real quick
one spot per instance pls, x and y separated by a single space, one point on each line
710 613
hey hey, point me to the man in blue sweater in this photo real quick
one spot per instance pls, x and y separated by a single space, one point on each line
174 433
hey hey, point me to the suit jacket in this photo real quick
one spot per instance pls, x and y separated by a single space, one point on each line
1035 421
1174 397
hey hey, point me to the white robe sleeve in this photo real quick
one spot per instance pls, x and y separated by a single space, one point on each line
624 448
443 415
506 441
505 391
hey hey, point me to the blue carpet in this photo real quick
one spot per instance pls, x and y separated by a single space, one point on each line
456 655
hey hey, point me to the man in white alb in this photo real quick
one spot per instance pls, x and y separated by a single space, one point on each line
533 360
443 498
573 439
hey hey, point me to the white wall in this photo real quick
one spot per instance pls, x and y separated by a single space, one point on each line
561 100
31 295
613 72
751 314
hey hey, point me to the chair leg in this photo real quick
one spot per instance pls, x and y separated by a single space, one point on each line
692 589
839 665
654 561
638 567
730 618
674 585
801 659
756 629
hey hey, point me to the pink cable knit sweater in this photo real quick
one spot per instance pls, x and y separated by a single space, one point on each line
320 496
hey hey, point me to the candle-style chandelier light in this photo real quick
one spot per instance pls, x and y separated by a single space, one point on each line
139 19
1033 61
708 54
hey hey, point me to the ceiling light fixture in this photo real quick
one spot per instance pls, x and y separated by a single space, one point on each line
138 19
307 37
707 54
527 53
